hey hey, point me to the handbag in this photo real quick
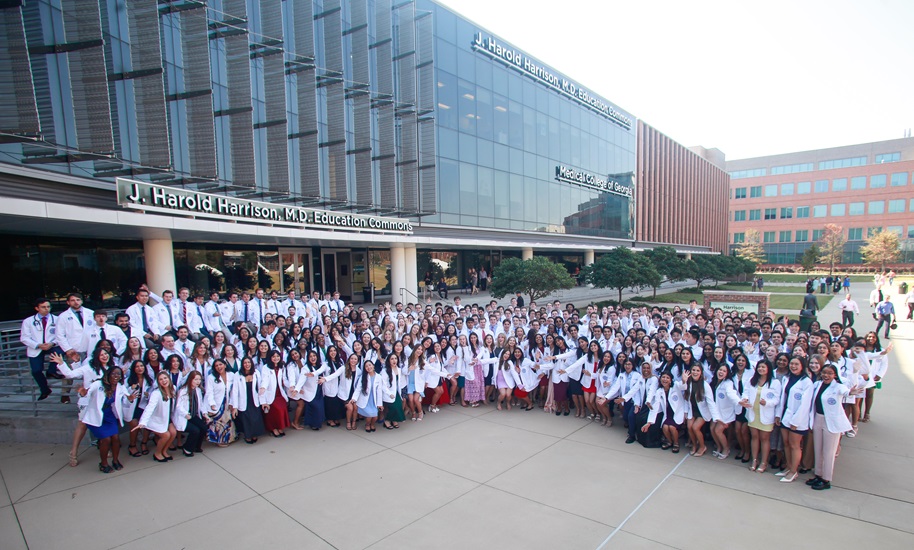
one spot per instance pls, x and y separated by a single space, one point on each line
893 326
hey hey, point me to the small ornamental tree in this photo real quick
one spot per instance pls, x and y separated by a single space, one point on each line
537 278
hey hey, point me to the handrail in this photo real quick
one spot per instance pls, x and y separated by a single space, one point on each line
404 290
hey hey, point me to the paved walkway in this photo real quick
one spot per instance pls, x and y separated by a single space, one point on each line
469 478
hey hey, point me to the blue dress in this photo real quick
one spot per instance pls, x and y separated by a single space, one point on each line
371 408
109 425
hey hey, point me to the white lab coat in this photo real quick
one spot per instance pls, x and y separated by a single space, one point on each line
707 407
157 415
70 330
239 397
832 405
391 384
91 336
676 401
136 320
31 334
375 386
795 404
307 385
727 399
634 393
92 414
182 408
772 396
270 380
216 392
145 387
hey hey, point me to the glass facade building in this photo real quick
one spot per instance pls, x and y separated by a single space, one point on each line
403 110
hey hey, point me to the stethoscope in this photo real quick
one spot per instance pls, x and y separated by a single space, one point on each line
37 321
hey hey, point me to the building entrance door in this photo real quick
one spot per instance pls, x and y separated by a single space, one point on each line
296 271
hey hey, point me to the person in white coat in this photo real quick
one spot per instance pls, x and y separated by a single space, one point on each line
669 405
370 396
308 389
138 387
220 412
700 407
157 417
723 391
829 422
605 377
760 397
247 395
103 416
71 325
793 416
38 334
274 400
627 392
347 380
89 371
188 414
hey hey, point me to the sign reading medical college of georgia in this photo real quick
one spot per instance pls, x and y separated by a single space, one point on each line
171 200
513 58
591 181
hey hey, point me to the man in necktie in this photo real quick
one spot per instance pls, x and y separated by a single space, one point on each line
260 309
201 324
38 335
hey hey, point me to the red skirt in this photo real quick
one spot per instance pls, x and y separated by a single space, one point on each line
520 394
278 417
430 393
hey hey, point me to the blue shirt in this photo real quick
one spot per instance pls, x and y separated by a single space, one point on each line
885 308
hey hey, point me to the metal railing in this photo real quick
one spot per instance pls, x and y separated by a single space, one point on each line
404 291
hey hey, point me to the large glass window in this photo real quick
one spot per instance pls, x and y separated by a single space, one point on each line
877 181
755 191
896 206
739 238
842 163
792 168
856 208
771 190
817 234
802 235
753 173
786 212
804 187
755 214
819 211
839 184
740 193
911 231
876 207
899 179
771 213
858 183
822 186
784 236
897 229
855 234
768 237
837 209
888 157
739 216
802 211
787 189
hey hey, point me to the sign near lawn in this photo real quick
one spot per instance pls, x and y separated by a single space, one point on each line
734 301
740 307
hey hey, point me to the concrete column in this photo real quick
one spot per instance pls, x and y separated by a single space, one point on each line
688 256
412 277
160 264
397 271
588 257
526 254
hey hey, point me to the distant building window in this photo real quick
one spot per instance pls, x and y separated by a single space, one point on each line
755 215
739 216
739 238
768 237
839 184
842 163
802 235
755 191
804 187
792 168
784 236
786 189
897 229
877 181
896 206
911 231
786 212
819 211
837 209
802 211
754 173
899 179
817 234
888 157
870 231
855 234
856 208
771 190
771 213
876 207
858 183
740 192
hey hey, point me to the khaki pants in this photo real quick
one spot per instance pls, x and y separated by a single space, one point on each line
826 445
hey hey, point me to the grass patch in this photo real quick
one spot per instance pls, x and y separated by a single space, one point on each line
801 278
785 301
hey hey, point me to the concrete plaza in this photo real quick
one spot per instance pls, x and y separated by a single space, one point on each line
470 478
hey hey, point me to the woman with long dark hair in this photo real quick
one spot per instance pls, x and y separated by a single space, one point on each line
188 415
370 396
700 406
310 392
793 416
157 417
829 423
334 407
247 400
219 410
759 399
275 398
139 387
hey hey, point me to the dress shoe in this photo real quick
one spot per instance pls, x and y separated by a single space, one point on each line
813 481
821 485
630 440
44 395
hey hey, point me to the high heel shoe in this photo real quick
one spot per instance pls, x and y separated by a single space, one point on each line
754 466
762 467
790 478
157 459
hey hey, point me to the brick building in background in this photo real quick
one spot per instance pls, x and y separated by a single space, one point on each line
789 198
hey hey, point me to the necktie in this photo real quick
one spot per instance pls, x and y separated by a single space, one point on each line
44 329
79 317
101 334
145 322
246 312
260 307
184 312
199 313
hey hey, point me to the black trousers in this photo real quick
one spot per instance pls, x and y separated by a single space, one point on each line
887 321
194 434
847 318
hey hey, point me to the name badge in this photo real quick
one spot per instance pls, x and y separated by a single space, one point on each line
721 395
798 396
831 401
52 330
770 395
674 397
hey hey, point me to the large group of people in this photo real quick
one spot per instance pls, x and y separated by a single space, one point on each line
183 372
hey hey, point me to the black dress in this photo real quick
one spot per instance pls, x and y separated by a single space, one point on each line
334 408
250 421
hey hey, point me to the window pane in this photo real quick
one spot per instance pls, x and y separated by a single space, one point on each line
819 211
804 187
877 181
755 192
877 207
837 209
855 234
896 206
899 179
771 190
840 184
855 209
822 186
802 211
768 237
755 214
786 189
858 183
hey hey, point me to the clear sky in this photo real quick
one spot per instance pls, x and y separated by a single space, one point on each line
751 78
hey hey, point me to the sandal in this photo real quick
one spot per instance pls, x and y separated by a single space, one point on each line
117 465
388 426
135 452
665 446
104 468
675 449
761 468
144 450
73 460
866 418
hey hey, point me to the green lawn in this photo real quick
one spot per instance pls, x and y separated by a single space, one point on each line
800 278
778 301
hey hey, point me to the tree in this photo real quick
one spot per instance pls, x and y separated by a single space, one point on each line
619 269
669 265
708 268
881 248
537 278
810 258
751 248
831 244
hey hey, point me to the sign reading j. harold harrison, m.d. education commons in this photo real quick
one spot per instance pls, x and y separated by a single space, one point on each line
171 200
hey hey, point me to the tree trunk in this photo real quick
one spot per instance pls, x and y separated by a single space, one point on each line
620 296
